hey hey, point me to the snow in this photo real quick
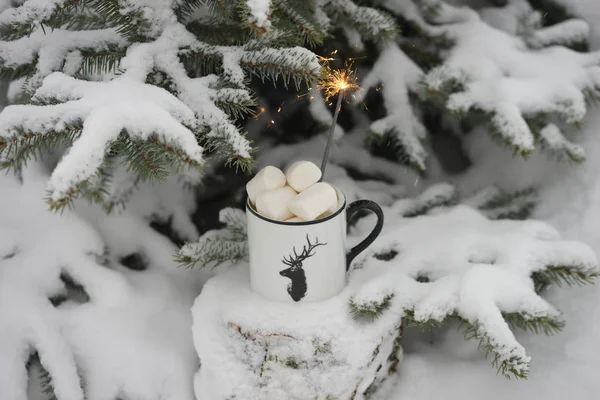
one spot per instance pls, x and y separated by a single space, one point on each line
31 11
371 21
141 109
508 80
478 270
492 260
571 31
563 365
231 365
400 118
260 11
107 108
551 136
131 339
52 47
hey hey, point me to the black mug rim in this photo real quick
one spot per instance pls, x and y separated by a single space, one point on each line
304 223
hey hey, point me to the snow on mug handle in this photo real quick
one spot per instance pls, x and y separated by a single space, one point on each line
352 209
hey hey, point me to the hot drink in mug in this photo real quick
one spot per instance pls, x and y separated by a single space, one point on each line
304 261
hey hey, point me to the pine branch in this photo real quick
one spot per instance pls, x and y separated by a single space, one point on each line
236 102
290 64
152 159
411 321
370 23
370 310
592 95
564 274
218 144
78 18
211 251
98 62
18 149
235 220
223 8
218 33
70 12
516 205
390 146
546 324
440 83
502 129
94 191
186 8
504 360
508 365
44 376
295 64
298 16
18 71
46 383
86 189
441 195
130 24
573 34
14 31
202 61
218 246
553 142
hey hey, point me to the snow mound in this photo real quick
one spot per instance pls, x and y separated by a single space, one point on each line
66 299
252 348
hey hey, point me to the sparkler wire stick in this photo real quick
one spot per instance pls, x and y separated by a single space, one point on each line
338 107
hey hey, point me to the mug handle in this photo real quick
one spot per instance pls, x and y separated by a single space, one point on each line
350 211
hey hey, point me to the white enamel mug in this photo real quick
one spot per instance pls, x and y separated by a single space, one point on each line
304 261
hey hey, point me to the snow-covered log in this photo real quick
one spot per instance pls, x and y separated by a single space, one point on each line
252 348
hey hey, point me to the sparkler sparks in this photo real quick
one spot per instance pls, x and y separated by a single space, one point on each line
338 81
258 114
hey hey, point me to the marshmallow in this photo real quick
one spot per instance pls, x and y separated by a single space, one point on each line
294 219
273 204
302 174
267 179
331 210
313 201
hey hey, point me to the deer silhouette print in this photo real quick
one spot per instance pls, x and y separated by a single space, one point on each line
297 288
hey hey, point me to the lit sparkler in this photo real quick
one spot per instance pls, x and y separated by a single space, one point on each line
337 82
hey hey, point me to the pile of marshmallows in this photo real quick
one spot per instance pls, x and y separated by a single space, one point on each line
295 196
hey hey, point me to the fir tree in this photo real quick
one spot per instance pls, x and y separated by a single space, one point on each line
439 81
151 87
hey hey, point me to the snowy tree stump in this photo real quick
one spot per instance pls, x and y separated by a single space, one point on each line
252 348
